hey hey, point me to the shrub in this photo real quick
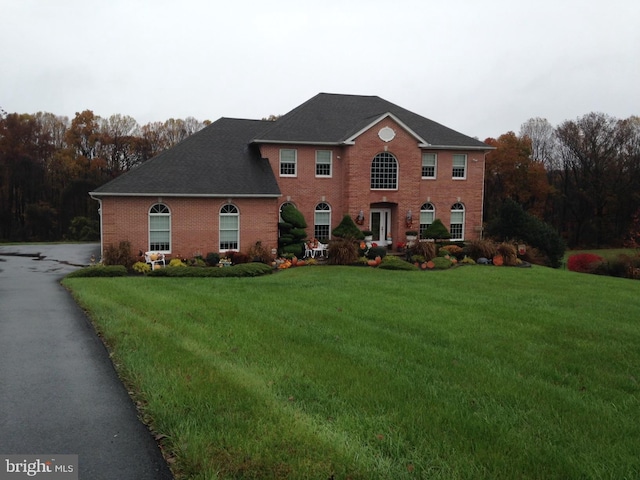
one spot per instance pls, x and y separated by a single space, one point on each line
509 254
584 262
292 230
343 251
426 250
514 223
243 270
441 263
391 262
437 231
237 257
260 253
100 271
141 267
454 250
480 249
120 255
84 229
347 229
176 262
376 252
212 258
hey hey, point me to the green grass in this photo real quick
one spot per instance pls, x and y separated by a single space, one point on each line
360 373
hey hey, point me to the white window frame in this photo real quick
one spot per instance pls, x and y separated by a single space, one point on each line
287 162
324 161
227 211
457 210
462 158
384 172
157 211
323 209
427 210
425 157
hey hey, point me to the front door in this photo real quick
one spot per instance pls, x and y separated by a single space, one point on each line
380 224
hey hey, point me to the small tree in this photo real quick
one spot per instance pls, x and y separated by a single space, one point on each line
436 231
292 231
347 229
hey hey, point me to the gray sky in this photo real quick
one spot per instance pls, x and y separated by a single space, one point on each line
480 67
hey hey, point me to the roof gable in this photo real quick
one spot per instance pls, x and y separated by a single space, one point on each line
216 161
336 119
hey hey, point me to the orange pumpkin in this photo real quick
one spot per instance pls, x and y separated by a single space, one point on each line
372 263
378 260
498 260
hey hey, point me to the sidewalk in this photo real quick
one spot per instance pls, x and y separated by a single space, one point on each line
59 393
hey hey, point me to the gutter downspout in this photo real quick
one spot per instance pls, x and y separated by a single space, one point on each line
99 200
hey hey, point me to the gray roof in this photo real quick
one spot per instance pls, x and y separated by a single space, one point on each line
223 159
216 161
335 119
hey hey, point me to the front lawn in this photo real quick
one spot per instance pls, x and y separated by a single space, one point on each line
362 373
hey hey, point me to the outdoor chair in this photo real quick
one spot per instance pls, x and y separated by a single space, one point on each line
154 258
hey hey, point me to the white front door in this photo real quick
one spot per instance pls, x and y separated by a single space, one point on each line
380 222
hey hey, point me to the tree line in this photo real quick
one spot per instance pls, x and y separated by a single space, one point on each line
49 164
581 177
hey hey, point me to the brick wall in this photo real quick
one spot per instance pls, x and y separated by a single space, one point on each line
348 191
195 221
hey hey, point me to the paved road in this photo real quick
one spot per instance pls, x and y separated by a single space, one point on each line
59 393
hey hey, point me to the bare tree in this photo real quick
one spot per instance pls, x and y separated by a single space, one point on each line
544 145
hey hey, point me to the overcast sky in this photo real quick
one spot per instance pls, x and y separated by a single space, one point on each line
480 67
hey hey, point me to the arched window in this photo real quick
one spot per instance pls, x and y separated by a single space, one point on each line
229 227
427 214
384 172
457 222
282 206
159 228
322 222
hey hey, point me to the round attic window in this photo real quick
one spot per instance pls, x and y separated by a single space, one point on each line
386 134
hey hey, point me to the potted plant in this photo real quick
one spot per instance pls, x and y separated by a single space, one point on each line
368 235
411 235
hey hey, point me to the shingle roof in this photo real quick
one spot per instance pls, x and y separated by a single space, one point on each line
216 161
334 119
223 159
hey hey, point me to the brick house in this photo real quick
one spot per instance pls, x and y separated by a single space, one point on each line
223 187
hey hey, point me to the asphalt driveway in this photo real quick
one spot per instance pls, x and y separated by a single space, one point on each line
59 392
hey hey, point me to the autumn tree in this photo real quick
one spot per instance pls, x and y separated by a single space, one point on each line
512 173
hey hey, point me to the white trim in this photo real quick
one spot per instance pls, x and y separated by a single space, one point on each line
315 166
351 140
98 195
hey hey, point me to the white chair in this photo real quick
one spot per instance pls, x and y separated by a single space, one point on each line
154 258
321 250
308 252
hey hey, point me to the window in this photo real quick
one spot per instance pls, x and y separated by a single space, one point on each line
282 208
384 172
229 227
459 166
288 162
427 214
323 163
428 165
322 222
457 222
159 228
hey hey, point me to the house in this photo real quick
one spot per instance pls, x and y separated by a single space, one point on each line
223 187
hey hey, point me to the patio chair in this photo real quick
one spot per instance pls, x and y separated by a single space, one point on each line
154 258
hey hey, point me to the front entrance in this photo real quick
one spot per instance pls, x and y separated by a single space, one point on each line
380 222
